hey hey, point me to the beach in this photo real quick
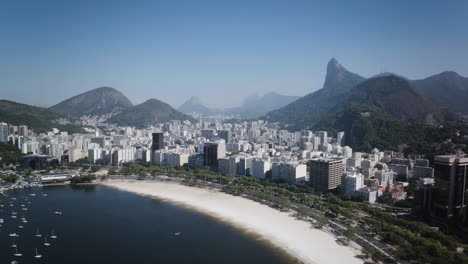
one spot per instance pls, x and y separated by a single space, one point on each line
296 237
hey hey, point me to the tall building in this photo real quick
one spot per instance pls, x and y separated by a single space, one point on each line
325 173
208 133
23 131
158 141
353 182
323 137
213 151
3 132
259 168
225 134
450 188
157 144
340 138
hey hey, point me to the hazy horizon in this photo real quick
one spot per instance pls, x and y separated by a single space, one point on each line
218 51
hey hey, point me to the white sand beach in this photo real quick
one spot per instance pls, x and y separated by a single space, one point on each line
294 236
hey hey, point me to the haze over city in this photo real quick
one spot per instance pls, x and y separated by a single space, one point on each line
221 51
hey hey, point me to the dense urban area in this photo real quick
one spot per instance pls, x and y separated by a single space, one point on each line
398 208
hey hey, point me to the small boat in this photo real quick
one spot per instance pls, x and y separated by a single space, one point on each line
1 220
20 226
38 234
44 194
58 213
52 235
14 262
14 213
14 235
13 245
46 243
37 256
16 253
33 194
13 216
177 233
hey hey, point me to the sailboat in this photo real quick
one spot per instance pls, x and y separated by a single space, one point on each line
37 233
45 242
52 235
16 253
37 256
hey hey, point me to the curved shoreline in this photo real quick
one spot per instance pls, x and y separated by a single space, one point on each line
294 236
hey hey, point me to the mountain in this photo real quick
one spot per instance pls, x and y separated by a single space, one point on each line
339 80
448 90
148 113
385 74
37 118
194 105
100 101
384 112
311 108
396 97
255 105
368 127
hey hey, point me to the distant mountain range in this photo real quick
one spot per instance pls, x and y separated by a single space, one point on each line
100 101
254 106
195 105
388 98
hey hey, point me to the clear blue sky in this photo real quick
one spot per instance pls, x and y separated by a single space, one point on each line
218 50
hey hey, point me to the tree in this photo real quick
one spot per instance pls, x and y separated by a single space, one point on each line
95 168
303 211
378 166
349 234
321 220
12 178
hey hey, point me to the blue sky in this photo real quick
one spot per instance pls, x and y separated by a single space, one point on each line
221 51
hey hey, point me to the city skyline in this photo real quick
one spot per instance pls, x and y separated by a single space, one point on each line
218 50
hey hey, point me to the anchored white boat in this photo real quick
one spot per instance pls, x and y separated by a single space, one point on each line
52 235
46 243
37 256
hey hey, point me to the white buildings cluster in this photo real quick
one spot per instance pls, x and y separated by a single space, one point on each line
256 148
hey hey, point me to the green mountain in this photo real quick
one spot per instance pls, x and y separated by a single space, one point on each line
37 118
448 90
385 112
148 113
313 107
100 101
396 97
368 127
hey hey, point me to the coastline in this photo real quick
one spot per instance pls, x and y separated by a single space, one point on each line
296 237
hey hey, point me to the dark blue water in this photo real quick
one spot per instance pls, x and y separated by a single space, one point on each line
103 225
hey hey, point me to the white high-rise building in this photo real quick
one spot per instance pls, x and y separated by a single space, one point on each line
3 132
353 181
340 138
259 168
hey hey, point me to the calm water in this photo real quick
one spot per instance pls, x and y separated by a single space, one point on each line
103 225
